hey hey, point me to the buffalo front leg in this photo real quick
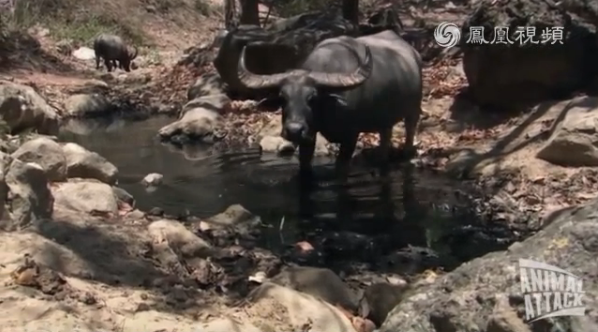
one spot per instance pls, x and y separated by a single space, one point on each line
306 155
98 59
411 122
108 64
384 150
345 154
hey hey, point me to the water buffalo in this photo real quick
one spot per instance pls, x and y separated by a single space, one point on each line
113 49
344 87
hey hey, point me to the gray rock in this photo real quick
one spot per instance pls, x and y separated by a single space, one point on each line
485 293
23 108
318 282
152 179
87 105
82 163
29 198
199 120
46 153
86 197
574 141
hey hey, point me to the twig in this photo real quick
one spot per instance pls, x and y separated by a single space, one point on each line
280 230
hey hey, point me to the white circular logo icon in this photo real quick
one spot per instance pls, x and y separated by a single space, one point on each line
447 34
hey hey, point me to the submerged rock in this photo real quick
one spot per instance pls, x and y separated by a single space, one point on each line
82 163
270 140
199 120
46 153
485 294
152 179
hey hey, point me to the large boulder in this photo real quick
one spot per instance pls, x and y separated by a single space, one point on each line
81 105
21 107
46 153
574 140
502 75
82 163
278 48
86 196
486 294
30 200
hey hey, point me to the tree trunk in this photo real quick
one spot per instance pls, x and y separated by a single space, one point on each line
351 10
230 14
249 12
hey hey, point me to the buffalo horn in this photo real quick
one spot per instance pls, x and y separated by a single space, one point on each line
347 80
255 81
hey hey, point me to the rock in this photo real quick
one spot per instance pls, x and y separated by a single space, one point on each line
30 200
87 105
278 48
152 179
318 282
123 196
46 153
469 297
271 141
86 197
82 163
574 140
179 238
276 144
205 85
84 53
23 108
505 75
275 308
200 118
381 298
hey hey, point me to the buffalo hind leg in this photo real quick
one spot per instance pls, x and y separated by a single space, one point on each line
345 154
411 122
98 59
306 155
108 64
384 150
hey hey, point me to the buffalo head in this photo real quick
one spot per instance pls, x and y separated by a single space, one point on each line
304 93
130 56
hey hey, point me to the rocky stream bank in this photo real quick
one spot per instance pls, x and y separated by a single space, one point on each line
78 255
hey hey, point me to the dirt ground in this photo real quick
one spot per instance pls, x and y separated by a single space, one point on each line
103 274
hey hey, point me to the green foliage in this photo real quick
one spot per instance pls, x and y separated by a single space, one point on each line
66 19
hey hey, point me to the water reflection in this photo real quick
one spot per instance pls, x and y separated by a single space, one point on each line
404 208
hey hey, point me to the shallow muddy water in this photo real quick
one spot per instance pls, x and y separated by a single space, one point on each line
410 208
